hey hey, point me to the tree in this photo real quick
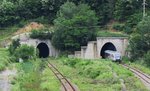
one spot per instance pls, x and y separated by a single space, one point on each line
7 13
73 26
50 7
104 9
140 41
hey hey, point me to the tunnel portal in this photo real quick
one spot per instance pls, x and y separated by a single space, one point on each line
43 50
107 46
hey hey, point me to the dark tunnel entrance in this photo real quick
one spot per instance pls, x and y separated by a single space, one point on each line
107 46
43 50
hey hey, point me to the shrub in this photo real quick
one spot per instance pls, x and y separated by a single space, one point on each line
110 34
13 46
41 34
28 78
2 67
70 62
25 52
147 58
42 19
93 72
90 72
127 30
118 27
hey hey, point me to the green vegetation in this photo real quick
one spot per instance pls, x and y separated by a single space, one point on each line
140 40
11 12
34 76
25 52
110 34
13 46
147 58
118 27
6 34
73 26
97 75
141 66
4 59
41 34
75 23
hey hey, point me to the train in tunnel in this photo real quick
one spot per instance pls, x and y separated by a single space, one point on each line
113 55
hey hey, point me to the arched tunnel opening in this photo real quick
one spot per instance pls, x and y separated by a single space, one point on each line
43 50
107 46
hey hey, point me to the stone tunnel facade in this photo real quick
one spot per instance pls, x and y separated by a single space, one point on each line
95 49
25 39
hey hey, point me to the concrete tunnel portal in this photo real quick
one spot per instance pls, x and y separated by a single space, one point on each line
43 50
107 46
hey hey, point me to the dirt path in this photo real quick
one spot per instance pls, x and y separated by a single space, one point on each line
5 79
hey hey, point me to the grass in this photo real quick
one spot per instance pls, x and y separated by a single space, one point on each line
97 75
4 59
141 66
6 34
49 81
33 76
110 34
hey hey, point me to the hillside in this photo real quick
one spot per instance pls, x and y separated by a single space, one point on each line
74 25
8 33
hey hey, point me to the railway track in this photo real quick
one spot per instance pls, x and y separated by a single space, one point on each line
67 86
144 77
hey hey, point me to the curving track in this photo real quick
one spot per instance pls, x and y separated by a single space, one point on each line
64 81
144 77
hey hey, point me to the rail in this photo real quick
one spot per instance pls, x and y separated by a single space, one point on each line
63 80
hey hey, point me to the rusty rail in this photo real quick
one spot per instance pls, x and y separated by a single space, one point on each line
138 73
61 78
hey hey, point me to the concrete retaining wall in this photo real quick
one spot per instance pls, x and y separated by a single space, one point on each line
93 48
25 39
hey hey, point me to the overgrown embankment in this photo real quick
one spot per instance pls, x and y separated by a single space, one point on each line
98 75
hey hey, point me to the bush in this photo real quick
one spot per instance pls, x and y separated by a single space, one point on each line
71 62
42 20
127 30
41 34
118 27
25 52
147 58
110 34
13 46
92 72
2 67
